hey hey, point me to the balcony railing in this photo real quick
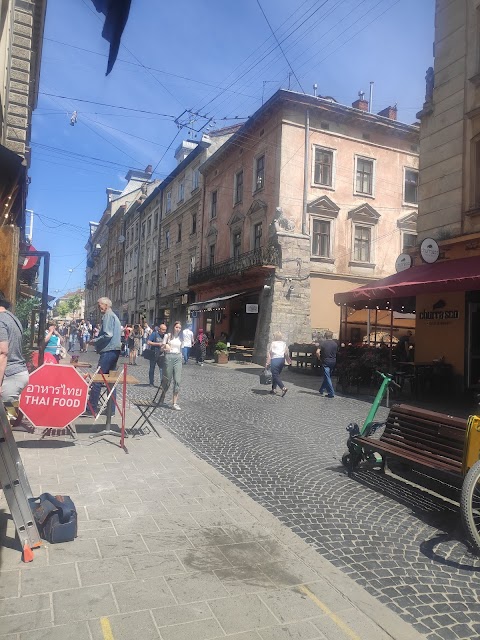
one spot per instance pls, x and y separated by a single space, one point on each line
265 256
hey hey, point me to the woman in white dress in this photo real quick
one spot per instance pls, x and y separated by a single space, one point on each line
173 363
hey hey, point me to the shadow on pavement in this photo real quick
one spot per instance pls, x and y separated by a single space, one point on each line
45 444
429 549
261 392
430 509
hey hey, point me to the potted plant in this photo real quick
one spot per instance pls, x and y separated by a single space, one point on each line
221 353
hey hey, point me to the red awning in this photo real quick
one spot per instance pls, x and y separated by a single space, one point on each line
440 277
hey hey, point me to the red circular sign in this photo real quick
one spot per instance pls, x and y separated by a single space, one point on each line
55 396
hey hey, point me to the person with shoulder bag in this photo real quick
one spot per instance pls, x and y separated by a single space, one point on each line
277 355
157 357
173 343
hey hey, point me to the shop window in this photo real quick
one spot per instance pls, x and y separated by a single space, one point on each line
321 238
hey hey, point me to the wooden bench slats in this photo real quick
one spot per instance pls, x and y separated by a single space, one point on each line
419 423
443 444
422 437
443 465
431 416
425 449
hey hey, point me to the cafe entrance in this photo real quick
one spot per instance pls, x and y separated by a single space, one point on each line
473 343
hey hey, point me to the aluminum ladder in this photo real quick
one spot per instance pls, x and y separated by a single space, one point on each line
16 488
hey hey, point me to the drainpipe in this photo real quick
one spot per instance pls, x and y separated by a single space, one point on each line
306 172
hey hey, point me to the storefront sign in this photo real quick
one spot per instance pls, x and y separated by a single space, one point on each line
439 314
403 262
429 250
251 308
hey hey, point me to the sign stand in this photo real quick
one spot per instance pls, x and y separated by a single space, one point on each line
16 489
110 399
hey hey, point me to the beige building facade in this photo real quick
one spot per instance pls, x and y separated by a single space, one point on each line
308 198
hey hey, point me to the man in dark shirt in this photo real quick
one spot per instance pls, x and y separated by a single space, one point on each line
327 352
155 342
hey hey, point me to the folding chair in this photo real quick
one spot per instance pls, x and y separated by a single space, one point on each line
147 409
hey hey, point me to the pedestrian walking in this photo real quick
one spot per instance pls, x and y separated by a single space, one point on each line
13 368
126 336
201 344
53 342
277 354
107 345
86 336
80 331
72 336
327 352
188 339
147 330
135 343
155 343
173 343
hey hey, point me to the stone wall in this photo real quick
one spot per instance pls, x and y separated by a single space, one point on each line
23 74
285 306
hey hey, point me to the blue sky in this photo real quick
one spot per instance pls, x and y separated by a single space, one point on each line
213 57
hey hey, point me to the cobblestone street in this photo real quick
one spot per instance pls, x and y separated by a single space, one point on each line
404 545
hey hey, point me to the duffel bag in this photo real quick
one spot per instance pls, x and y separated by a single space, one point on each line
55 517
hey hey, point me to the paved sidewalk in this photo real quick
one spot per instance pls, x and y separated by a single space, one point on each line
168 548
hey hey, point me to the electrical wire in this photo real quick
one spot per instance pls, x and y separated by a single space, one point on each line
104 104
279 45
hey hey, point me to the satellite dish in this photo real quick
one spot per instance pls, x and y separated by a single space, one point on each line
121 239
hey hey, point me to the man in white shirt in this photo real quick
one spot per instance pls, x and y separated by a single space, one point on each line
187 342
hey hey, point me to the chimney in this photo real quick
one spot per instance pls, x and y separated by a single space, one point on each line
361 103
389 112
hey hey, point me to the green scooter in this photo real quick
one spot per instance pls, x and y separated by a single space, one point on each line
355 453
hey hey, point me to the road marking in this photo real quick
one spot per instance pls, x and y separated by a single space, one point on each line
106 629
333 616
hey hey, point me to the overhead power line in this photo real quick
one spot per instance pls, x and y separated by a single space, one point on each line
104 104
279 45
136 64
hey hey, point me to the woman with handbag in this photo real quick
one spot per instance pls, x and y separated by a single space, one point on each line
173 343
277 355
135 343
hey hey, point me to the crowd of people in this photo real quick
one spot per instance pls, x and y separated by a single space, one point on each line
167 351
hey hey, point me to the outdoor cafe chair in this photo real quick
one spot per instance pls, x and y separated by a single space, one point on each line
147 408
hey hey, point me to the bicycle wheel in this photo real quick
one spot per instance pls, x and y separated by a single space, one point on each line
470 505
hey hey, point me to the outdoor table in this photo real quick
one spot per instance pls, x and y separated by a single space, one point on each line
422 370
110 379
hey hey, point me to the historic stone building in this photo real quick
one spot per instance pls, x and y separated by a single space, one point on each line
308 198
148 221
21 39
105 253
